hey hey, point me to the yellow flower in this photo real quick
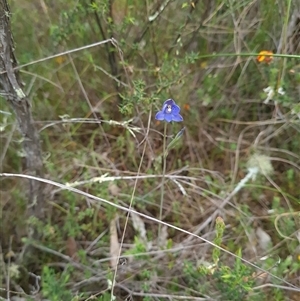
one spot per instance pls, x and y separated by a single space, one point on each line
60 59
265 56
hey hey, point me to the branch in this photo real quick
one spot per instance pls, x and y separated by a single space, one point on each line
11 88
111 54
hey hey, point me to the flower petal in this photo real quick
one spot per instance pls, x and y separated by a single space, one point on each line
177 117
169 101
165 105
160 115
168 117
175 109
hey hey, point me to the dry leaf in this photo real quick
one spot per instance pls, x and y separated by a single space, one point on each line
162 240
263 238
113 189
71 248
10 254
139 226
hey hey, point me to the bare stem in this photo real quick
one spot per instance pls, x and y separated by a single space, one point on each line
164 158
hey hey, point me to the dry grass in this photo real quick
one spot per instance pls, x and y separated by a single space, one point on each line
111 164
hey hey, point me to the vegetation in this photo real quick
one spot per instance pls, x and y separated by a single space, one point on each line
224 181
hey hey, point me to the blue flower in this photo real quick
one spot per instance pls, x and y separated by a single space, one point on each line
169 112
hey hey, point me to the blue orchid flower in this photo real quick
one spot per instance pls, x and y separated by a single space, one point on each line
169 112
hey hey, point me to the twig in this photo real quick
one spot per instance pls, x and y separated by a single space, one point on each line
97 199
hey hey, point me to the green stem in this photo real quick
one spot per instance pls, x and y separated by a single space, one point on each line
164 158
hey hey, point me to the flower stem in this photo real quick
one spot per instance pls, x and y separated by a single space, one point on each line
164 158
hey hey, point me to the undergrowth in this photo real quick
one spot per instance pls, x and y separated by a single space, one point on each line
229 194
